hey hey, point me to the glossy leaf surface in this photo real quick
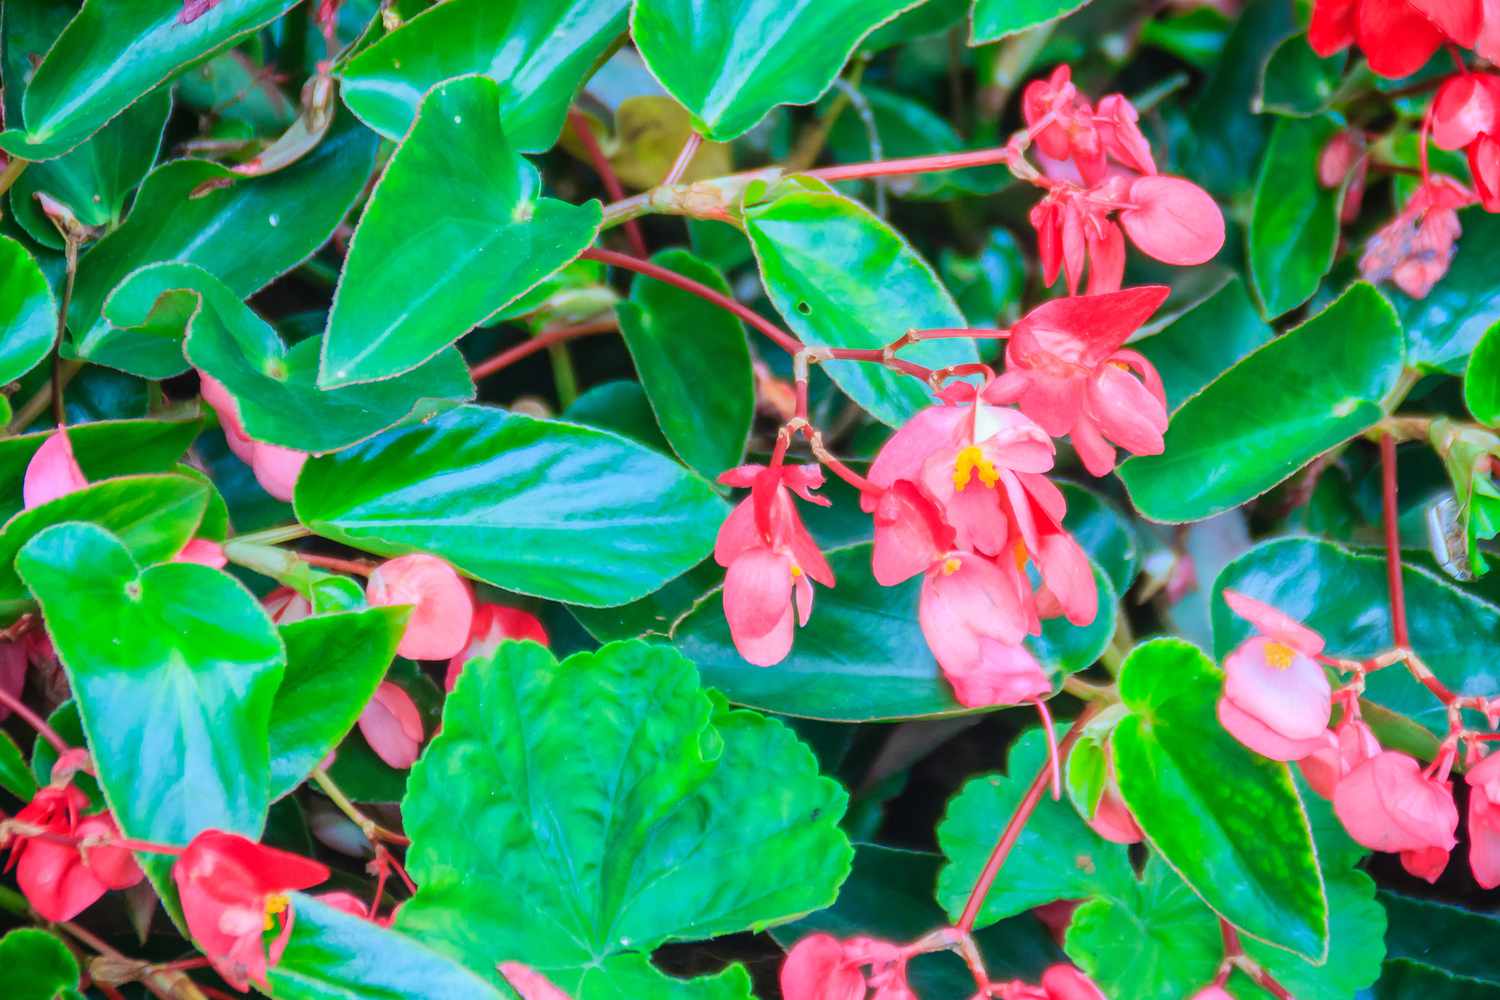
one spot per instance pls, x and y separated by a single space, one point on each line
28 312
1295 224
995 19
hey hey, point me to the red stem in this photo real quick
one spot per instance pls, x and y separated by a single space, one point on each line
784 340
916 164
606 174
1017 822
540 342
69 840
336 564
1393 542
33 720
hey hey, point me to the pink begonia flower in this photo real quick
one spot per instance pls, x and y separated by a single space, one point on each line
52 472
60 881
1348 745
1484 164
203 552
285 605
492 625
1173 220
276 468
1080 133
821 967
442 604
974 614
13 663
1277 700
1484 820
1063 982
1464 108
1112 819
1067 369
1388 804
1212 992
392 725
530 984
1414 249
770 557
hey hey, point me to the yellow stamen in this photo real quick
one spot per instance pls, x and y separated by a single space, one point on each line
1278 655
950 565
276 903
969 461
796 572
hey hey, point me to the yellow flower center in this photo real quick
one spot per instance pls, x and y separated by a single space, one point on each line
969 461
276 903
1279 655
950 565
796 571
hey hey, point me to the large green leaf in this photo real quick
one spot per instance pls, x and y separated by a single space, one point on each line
1402 978
174 669
1482 379
539 53
334 662
995 19
581 840
1297 81
694 364
95 179
1456 940
1227 820
843 278
274 386
1104 533
1343 596
539 507
28 312
1443 327
1356 922
110 55
862 656
456 229
1200 344
730 62
37 965
1056 856
1276 410
1295 223
244 231
332 955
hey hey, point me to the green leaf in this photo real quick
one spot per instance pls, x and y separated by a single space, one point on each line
15 776
701 389
1151 938
277 221
1356 946
37 965
888 895
362 775
1294 226
332 955
110 55
1482 379
862 657
842 278
539 53
1104 533
1402 979
995 19
927 18
153 516
1276 410
274 386
455 230
174 669
572 840
1296 81
987 286
730 62
1343 596
538 507
656 613
334 663
1451 938
95 179
1443 328
1056 856
104 449
28 312
1200 344
1227 820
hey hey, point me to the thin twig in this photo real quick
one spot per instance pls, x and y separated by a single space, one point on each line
607 176
1393 542
33 720
541 342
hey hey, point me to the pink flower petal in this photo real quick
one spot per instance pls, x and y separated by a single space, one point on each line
442 604
1274 624
1465 108
907 535
1262 738
758 606
1126 412
1068 576
1279 687
1173 220
530 984
1484 821
1396 39
1387 804
277 468
817 969
203 552
1063 982
392 725
52 472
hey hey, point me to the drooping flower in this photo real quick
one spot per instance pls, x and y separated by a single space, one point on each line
492 625
821 967
442 611
1277 700
1414 249
233 891
52 472
974 614
530 984
1396 36
60 881
1464 108
1484 820
392 725
1348 745
770 557
1068 370
1078 132
1389 804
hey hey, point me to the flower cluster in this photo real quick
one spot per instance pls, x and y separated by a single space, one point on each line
62 858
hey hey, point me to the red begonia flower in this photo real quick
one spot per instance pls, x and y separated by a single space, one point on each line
60 881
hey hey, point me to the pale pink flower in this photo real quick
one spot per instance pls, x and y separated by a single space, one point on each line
1348 745
1212 992
392 725
974 615
442 604
1389 804
52 472
1484 820
1277 700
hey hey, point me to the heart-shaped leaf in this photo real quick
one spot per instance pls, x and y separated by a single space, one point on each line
539 54
578 842
1295 224
539 507
28 312
455 230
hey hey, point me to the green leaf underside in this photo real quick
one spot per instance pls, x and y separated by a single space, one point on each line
862 657
1227 820
1274 411
539 507
28 312
842 278
1343 596
995 19
539 53
454 231
583 840
731 63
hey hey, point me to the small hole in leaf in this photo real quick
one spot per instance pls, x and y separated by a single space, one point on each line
804 308
133 590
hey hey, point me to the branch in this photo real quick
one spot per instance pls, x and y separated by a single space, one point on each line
539 343
607 175
33 720
1393 542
